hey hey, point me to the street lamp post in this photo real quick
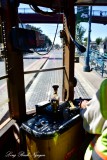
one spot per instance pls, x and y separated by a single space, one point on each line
87 58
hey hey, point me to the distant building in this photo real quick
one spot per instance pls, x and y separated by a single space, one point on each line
103 47
93 45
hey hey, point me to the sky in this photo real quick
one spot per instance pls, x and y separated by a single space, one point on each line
50 29
97 30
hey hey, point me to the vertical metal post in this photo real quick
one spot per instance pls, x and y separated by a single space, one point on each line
87 58
102 68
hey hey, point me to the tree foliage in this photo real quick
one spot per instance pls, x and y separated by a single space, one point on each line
57 46
47 41
98 40
85 41
80 33
34 28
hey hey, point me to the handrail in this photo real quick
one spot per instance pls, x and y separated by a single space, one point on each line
3 77
44 70
98 61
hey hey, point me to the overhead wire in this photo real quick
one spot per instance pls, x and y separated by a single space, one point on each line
52 42
79 46
48 14
36 9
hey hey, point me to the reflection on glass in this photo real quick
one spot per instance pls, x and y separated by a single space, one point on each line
38 86
4 109
40 89
2 67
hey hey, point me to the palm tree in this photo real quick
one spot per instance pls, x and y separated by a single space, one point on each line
80 33
85 41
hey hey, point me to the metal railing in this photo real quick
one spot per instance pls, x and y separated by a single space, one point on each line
99 13
94 12
98 61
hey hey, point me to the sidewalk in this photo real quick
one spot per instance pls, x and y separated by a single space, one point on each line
89 81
